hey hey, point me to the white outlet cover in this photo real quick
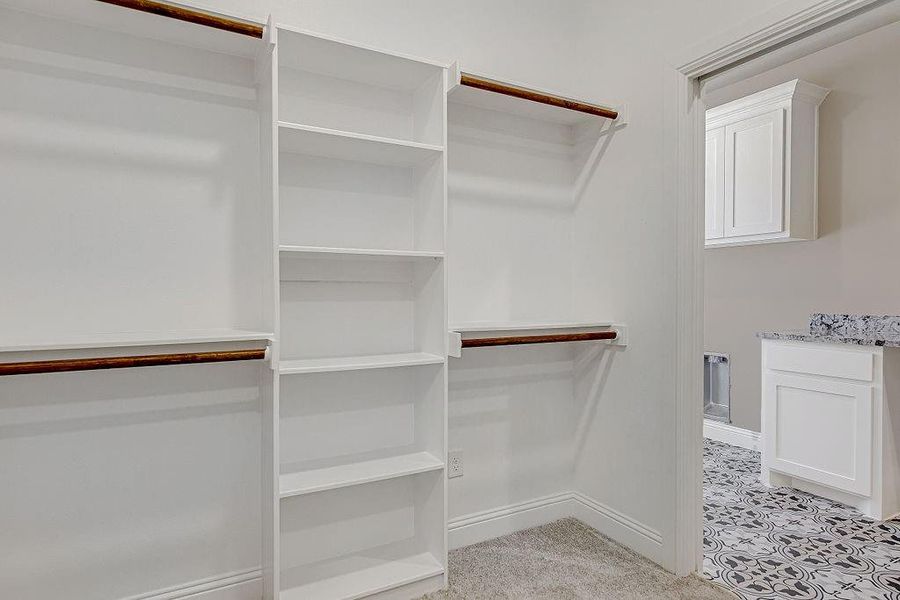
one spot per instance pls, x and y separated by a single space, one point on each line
454 464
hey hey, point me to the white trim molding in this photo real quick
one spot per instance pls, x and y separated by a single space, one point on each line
765 101
236 585
688 112
729 434
490 524
620 527
785 23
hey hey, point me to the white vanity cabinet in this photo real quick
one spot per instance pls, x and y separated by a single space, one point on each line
761 155
828 424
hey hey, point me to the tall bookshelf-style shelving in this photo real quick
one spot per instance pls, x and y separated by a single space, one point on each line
358 427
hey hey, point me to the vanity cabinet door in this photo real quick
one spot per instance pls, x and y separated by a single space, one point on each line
819 430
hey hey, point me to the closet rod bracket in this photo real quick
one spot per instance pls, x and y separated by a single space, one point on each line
454 344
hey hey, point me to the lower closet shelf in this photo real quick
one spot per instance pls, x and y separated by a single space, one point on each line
354 363
370 577
319 480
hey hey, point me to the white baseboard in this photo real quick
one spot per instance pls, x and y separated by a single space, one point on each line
487 525
730 434
620 527
462 531
237 585
490 524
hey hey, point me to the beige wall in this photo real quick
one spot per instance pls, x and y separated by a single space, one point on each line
853 266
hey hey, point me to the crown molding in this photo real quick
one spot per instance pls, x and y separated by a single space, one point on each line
795 20
779 96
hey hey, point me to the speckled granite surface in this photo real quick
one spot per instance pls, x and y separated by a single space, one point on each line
861 330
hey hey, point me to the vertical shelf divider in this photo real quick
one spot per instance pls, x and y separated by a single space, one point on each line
267 87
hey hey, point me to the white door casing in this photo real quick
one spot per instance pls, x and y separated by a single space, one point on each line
790 22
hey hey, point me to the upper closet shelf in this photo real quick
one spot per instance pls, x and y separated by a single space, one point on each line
357 253
526 326
134 339
157 20
492 94
331 143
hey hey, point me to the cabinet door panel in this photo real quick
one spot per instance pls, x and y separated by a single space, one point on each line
754 175
820 430
715 183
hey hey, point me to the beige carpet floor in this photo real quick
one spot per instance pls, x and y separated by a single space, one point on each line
565 560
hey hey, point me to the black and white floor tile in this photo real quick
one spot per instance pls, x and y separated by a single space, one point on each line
781 543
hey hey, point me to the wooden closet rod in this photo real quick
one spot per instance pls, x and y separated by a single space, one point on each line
519 92
538 339
126 362
190 15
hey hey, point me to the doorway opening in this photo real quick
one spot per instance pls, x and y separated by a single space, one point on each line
800 469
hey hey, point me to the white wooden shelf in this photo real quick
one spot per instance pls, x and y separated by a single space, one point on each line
524 326
102 16
324 252
357 363
369 471
131 339
332 143
372 576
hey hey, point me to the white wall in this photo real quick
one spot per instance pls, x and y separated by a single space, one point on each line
777 286
117 483
625 265
528 41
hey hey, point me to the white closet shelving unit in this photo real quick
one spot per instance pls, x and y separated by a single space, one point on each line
357 434
213 191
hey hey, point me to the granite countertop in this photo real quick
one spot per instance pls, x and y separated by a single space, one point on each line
861 330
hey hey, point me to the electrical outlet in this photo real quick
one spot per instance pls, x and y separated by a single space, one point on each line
454 464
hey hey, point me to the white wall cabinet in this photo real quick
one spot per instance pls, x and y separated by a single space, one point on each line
761 155
827 423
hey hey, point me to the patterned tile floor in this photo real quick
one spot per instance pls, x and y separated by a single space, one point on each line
781 543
